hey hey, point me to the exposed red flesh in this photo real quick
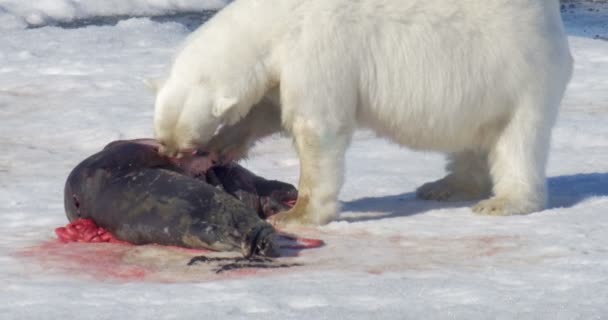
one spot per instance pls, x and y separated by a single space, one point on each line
85 230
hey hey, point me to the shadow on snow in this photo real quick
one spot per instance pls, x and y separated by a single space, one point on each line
564 192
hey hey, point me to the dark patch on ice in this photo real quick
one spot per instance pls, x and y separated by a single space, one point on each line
228 264
191 20
586 18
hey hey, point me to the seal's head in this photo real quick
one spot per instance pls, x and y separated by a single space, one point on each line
89 178
77 193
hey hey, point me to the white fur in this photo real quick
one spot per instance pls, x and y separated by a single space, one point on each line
479 80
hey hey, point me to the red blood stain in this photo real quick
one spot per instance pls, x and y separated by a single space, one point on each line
375 272
293 246
288 241
85 249
396 238
309 243
101 261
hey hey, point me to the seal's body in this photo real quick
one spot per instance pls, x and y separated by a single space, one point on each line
267 197
142 197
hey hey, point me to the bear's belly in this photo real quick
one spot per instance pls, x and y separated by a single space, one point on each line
436 130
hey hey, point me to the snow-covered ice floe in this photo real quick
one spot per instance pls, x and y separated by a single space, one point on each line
67 87
20 13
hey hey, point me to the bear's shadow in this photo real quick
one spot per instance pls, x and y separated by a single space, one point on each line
564 192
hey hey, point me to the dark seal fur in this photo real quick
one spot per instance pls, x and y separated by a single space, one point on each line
142 197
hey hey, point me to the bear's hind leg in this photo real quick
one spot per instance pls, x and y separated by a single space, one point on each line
468 178
518 160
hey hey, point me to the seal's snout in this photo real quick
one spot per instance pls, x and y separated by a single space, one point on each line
261 241
268 247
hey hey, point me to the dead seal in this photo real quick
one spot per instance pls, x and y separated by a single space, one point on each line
141 197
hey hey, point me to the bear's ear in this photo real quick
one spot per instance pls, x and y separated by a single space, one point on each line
223 104
153 84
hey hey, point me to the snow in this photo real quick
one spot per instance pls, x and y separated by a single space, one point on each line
20 13
73 83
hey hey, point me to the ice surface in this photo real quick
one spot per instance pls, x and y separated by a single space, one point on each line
66 92
23 13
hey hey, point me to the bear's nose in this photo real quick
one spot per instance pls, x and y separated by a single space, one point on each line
167 151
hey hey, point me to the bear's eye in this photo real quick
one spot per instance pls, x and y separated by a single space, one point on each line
200 153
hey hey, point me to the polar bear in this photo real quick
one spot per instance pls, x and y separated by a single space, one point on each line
480 81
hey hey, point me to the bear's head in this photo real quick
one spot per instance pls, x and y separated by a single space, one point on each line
186 116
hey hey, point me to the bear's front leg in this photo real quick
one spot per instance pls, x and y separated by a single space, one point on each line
321 151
